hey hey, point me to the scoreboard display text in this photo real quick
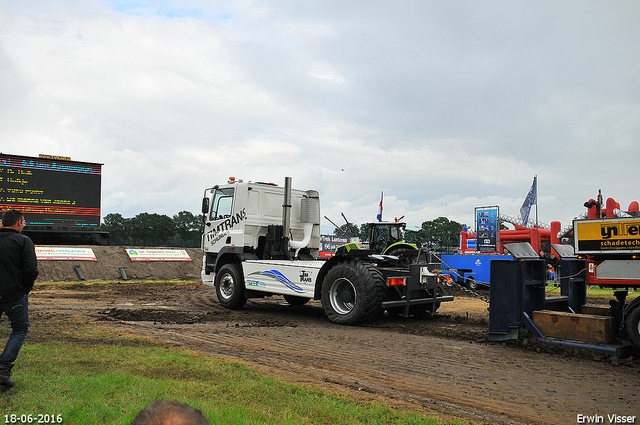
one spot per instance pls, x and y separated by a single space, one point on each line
51 192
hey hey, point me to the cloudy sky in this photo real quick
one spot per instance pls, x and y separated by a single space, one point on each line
443 105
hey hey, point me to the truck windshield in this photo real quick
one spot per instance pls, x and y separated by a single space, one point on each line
222 204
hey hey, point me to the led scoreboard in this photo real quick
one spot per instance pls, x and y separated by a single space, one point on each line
51 191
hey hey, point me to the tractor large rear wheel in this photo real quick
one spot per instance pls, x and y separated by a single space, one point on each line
353 292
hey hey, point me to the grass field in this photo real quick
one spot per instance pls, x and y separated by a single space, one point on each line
593 292
73 373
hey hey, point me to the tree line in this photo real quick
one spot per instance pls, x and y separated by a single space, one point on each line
182 230
185 229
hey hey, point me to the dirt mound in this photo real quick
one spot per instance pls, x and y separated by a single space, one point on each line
110 259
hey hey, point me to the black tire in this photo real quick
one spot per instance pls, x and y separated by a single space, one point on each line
352 293
471 283
296 300
230 287
632 324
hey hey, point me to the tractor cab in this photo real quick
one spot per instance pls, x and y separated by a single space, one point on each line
383 235
388 238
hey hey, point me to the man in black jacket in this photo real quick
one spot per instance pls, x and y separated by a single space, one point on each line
18 272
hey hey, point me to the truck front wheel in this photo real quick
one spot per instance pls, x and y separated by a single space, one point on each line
230 287
633 326
352 293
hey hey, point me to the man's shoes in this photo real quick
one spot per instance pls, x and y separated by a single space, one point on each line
5 378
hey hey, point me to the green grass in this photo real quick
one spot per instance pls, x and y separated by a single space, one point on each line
594 292
99 375
608 293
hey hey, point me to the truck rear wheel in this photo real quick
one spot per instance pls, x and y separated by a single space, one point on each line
352 293
230 287
633 326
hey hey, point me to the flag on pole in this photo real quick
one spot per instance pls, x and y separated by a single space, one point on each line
379 216
531 199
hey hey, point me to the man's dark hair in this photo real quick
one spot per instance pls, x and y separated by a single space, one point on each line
11 217
163 412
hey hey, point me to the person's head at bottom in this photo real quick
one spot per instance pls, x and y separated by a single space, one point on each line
169 412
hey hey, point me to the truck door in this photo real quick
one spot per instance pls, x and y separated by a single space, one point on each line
221 223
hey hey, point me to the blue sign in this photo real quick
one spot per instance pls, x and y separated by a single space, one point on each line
487 229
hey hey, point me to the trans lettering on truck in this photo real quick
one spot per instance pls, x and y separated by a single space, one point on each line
230 222
223 229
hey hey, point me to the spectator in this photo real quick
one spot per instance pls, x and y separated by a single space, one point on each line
554 262
544 256
169 412
18 272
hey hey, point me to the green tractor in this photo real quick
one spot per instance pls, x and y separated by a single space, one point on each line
384 244
387 238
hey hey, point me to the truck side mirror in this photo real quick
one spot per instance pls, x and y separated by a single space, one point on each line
205 205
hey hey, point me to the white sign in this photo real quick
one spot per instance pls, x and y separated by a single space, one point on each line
158 255
55 253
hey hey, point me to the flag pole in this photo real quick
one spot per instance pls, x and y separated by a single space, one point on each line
537 226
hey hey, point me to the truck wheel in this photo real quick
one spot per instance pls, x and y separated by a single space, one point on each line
471 283
230 287
296 300
352 293
633 326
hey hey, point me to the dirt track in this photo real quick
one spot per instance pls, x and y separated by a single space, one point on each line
442 365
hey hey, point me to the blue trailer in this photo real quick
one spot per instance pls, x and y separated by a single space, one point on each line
470 269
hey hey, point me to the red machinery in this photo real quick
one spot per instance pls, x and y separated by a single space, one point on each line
605 253
534 236
609 239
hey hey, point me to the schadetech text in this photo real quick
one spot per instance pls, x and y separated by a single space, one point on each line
600 419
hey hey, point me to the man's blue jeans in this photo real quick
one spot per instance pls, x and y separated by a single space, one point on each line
18 313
